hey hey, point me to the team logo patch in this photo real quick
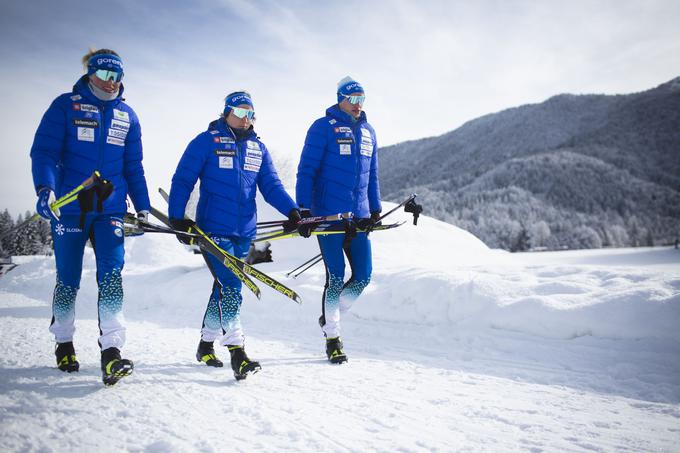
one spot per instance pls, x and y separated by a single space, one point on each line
254 153
226 162
85 123
332 121
342 129
59 229
226 140
252 145
85 134
118 232
345 141
225 152
76 97
214 132
249 167
345 150
121 115
253 161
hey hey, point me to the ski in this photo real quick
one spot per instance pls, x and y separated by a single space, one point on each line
134 226
239 264
306 220
324 229
207 244
409 200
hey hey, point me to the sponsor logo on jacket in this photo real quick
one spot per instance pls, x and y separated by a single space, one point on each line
85 123
85 108
121 115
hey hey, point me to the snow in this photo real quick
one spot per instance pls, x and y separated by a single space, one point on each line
453 347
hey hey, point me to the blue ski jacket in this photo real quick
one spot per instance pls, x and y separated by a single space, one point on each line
79 134
230 170
338 169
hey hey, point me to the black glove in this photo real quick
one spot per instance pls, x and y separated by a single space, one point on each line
415 208
183 225
368 224
305 230
292 223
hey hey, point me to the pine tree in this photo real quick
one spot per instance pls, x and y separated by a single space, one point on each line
6 224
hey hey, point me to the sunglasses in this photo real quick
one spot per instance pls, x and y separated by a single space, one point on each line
242 113
106 75
355 99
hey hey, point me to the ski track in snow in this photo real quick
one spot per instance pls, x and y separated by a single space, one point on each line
477 350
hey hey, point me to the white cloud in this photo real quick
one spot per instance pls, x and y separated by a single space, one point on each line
427 66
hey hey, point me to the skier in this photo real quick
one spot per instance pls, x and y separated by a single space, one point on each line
89 129
338 172
231 163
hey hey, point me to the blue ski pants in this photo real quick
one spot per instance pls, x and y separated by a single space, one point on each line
338 295
106 234
223 313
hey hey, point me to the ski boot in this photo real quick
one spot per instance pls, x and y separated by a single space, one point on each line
206 354
66 357
113 367
241 364
334 351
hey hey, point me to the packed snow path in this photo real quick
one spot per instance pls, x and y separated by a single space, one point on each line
452 348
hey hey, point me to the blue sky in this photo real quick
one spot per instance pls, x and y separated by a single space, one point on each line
427 66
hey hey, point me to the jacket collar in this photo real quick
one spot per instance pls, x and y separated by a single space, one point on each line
335 112
221 126
81 87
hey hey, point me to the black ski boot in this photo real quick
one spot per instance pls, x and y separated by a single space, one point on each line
66 357
206 354
113 367
241 364
334 350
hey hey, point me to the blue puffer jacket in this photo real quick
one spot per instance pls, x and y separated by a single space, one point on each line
338 170
80 134
230 170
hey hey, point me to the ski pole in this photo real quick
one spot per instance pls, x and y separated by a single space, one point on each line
316 260
303 264
58 203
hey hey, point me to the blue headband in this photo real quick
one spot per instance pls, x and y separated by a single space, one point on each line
237 98
348 87
106 61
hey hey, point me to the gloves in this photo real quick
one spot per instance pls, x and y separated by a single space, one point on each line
368 224
292 223
305 230
183 225
143 215
45 199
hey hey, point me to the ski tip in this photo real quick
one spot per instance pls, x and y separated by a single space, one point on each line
298 300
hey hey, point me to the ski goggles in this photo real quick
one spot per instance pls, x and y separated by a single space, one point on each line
106 75
354 99
242 113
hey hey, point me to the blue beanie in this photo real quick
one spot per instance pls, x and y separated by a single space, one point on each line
348 86
107 61
237 98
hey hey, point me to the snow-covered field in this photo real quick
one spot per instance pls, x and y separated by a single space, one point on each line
453 347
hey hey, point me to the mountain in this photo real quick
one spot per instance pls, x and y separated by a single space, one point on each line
576 171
